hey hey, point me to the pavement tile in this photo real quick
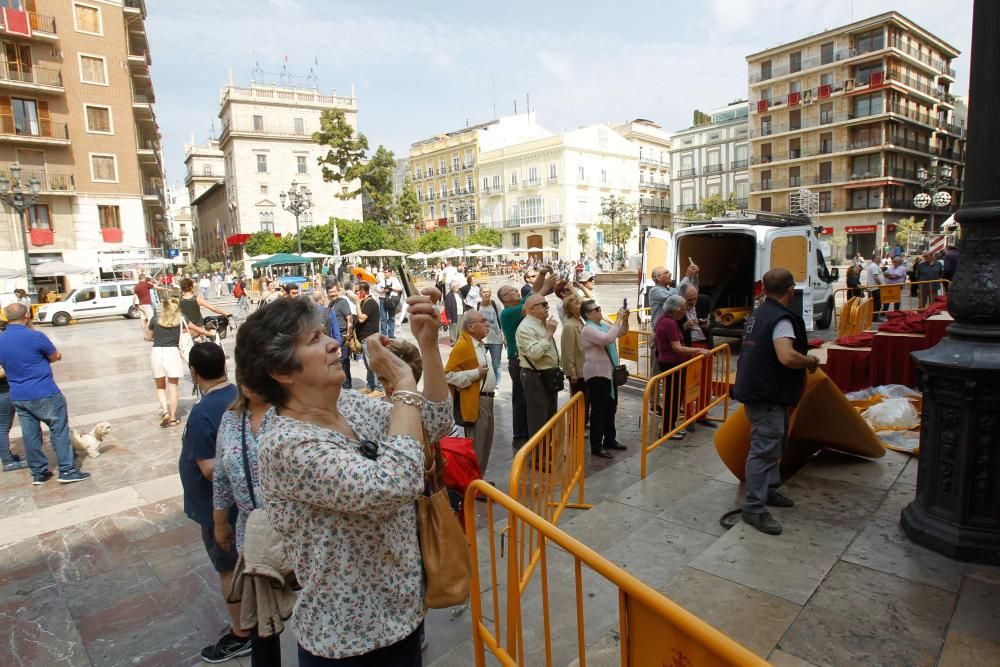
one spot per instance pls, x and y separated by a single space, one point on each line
859 616
37 629
658 551
606 524
703 506
199 592
780 658
152 519
660 490
79 552
974 633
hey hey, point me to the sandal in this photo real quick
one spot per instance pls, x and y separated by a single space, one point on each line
173 422
164 420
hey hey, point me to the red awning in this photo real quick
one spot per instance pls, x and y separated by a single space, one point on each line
240 239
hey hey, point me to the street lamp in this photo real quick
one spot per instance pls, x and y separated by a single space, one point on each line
14 194
299 200
933 181
460 213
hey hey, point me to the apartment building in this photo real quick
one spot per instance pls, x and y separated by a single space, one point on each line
654 170
852 114
267 144
445 169
204 169
545 192
179 218
76 114
711 158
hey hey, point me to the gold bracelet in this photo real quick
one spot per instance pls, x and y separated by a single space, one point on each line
408 398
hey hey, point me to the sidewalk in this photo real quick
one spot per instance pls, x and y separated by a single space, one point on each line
111 572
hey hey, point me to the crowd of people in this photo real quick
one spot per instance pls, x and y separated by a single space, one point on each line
928 274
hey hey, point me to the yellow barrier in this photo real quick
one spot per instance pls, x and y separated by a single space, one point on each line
544 473
926 289
700 384
635 349
653 629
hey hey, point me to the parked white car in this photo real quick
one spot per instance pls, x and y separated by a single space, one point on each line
93 300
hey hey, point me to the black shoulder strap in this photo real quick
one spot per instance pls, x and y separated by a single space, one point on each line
246 458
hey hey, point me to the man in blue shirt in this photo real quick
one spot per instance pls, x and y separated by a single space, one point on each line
197 467
26 356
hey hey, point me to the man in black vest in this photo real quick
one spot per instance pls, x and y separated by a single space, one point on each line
769 381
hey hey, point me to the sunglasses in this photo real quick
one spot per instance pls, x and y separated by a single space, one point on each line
594 309
543 305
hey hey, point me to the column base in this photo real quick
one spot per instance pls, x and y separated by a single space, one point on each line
960 542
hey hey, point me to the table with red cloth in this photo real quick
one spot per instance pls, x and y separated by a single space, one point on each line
848 367
890 360
935 327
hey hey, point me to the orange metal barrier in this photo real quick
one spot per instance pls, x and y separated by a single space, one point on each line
544 474
695 387
653 629
892 294
635 349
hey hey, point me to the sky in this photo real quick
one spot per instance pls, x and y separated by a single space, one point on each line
428 66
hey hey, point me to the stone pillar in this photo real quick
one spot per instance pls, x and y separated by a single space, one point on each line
957 508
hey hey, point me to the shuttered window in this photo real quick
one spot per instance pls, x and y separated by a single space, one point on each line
88 19
103 168
110 217
92 70
98 119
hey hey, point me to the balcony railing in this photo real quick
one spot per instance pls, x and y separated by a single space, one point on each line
50 181
686 173
42 23
806 64
739 164
712 169
653 206
681 208
40 129
655 163
467 165
267 127
533 221
42 76
926 58
742 202
533 183
286 94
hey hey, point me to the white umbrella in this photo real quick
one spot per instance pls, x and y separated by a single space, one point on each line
544 248
59 269
386 253
316 255
450 252
478 246
418 255
7 274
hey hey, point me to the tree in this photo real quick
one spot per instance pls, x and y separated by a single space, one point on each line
217 266
376 183
316 238
408 212
439 239
486 236
355 236
909 229
838 242
715 206
345 161
265 243
621 216
202 265
583 236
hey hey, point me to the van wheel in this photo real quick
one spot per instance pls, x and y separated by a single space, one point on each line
827 319
60 319
133 313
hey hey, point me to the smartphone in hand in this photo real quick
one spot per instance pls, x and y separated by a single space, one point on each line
409 288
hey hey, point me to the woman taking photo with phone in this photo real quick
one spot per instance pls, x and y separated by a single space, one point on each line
600 356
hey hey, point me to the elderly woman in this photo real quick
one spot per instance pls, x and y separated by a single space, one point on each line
571 349
494 336
340 475
671 352
600 357
191 305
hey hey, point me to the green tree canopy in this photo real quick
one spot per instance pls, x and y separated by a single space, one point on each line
344 162
408 212
486 236
908 228
376 183
621 217
265 243
439 239
367 235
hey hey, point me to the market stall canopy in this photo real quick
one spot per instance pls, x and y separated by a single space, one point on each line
544 248
384 253
46 269
478 246
448 253
418 255
316 255
282 258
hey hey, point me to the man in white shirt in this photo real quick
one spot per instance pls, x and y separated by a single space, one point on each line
874 279
450 275
473 386
390 293
204 285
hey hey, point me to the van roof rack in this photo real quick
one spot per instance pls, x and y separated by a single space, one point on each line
754 217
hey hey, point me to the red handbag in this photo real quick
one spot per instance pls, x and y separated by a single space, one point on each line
461 466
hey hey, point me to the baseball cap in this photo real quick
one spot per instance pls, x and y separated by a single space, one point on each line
585 276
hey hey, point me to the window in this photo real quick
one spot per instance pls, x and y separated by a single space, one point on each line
765 126
552 172
826 113
765 180
93 70
98 119
454 163
18 61
765 70
86 294
795 119
765 153
206 170
108 291
765 203
263 189
532 211
496 183
87 19
300 163
266 221
794 149
825 201
469 185
468 158
826 53
554 237
794 177
825 172
261 163
795 86
258 123
26 116
867 105
795 61
533 174
866 198
604 176
513 178
486 183
866 166
432 213
826 79
300 126
38 217
869 41
581 173
110 217
103 168
863 73
442 167
826 142
515 239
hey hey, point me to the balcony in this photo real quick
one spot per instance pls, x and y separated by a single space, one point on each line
682 208
739 164
512 187
42 26
533 221
806 64
654 163
134 6
288 94
52 182
39 79
493 190
742 202
467 165
533 183
654 206
654 186
686 173
138 53
34 132
712 169
142 105
936 64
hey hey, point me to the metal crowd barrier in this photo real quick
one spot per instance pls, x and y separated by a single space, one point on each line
543 476
693 388
927 292
635 349
653 629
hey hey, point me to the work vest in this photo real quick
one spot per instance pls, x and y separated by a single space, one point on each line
760 376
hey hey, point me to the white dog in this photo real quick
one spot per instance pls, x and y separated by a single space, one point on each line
90 442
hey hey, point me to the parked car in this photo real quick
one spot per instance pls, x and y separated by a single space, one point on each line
103 299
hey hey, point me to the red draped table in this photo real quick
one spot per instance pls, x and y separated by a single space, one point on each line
935 326
848 367
890 358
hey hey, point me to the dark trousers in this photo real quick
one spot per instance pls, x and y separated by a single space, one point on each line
345 362
6 422
404 653
768 430
520 409
541 403
877 299
265 651
673 394
580 387
602 420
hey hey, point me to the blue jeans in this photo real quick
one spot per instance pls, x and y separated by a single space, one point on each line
6 422
387 321
371 379
52 411
494 350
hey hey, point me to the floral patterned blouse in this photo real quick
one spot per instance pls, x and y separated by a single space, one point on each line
349 524
229 482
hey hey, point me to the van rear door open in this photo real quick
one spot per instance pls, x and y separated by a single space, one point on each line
791 249
658 250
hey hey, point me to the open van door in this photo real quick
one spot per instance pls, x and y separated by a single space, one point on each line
792 249
658 250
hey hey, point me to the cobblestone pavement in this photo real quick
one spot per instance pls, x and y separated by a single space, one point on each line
111 572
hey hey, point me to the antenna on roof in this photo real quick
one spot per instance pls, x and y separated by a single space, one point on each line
493 88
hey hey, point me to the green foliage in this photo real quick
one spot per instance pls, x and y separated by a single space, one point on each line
583 236
838 242
367 235
908 228
315 238
265 243
486 236
218 266
621 217
202 266
408 212
715 206
376 182
237 267
439 239
189 269
700 118
344 162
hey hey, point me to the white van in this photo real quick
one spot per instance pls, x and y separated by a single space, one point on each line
734 253
92 300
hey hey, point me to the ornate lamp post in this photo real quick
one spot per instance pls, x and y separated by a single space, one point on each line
957 506
14 194
460 213
933 182
297 200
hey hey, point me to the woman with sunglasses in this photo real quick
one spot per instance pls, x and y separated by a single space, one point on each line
600 356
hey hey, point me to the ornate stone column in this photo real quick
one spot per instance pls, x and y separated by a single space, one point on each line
957 508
